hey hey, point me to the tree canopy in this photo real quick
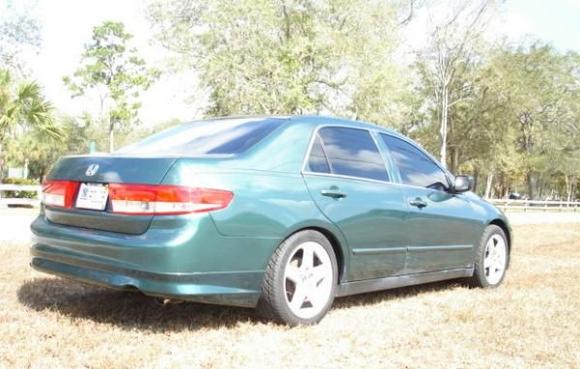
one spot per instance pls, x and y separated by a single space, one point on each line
506 113
275 57
110 66
23 107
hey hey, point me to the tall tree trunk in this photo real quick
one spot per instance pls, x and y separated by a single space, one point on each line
443 127
488 185
568 182
453 154
111 135
531 182
1 162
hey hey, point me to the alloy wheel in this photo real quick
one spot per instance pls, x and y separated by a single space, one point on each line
308 279
494 260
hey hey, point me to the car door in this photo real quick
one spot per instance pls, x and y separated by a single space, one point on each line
348 179
443 227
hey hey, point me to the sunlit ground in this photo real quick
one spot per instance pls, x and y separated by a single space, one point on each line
531 321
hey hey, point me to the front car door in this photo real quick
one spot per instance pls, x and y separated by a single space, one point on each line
348 179
443 227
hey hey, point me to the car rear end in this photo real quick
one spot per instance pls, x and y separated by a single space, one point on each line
147 221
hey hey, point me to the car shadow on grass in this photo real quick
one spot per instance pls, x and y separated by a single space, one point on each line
126 309
378 297
133 310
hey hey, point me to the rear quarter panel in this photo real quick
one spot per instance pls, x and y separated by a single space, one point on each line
266 204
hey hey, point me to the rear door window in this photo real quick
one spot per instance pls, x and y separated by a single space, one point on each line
212 137
415 167
317 161
349 151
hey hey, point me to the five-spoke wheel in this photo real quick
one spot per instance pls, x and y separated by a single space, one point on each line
300 280
491 259
308 279
494 259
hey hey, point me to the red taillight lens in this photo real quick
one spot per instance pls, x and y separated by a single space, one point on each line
165 199
59 193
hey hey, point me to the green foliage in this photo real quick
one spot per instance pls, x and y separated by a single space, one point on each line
294 57
22 105
512 113
517 119
539 111
111 66
23 111
509 116
40 152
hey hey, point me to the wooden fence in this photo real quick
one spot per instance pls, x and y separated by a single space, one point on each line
12 200
536 205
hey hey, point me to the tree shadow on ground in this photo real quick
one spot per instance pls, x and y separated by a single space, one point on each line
133 310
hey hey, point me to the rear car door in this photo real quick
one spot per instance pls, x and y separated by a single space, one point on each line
348 179
443 227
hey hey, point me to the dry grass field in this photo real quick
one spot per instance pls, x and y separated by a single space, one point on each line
532 321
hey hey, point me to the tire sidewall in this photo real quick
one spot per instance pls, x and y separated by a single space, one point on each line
479 272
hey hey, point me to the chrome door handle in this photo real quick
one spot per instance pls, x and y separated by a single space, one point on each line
418 202
335 194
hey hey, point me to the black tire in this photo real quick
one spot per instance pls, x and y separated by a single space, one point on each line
273 303
479 278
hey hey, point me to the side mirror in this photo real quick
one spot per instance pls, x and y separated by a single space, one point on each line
462 184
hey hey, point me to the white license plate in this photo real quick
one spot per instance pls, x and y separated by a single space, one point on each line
92 196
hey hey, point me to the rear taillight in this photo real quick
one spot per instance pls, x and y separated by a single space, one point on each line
59 193
140 199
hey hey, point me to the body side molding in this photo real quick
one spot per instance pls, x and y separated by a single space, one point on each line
378 284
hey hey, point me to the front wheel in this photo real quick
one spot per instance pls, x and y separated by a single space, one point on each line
491 259
300 280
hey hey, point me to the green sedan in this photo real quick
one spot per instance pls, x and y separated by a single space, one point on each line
279 213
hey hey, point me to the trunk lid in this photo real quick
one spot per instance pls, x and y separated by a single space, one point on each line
111 169
106 169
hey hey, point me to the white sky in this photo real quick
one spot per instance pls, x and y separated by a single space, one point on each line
67 26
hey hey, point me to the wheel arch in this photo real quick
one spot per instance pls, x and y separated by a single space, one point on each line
337 243
336 246
506 229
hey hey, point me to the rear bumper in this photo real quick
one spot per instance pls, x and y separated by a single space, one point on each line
212 288
184 258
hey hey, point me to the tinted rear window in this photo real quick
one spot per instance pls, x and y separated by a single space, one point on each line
352 152
217 137
317 161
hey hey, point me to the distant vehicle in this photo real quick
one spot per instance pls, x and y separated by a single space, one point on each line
515 196
279 213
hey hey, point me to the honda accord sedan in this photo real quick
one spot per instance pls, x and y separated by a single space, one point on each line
279 213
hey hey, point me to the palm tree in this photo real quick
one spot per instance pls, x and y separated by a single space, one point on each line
23 106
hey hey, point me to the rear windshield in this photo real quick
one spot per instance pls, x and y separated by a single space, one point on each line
219 137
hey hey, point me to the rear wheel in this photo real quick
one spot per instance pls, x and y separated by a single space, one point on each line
491 258
300 280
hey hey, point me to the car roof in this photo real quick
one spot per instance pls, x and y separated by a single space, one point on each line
317 120
326 120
